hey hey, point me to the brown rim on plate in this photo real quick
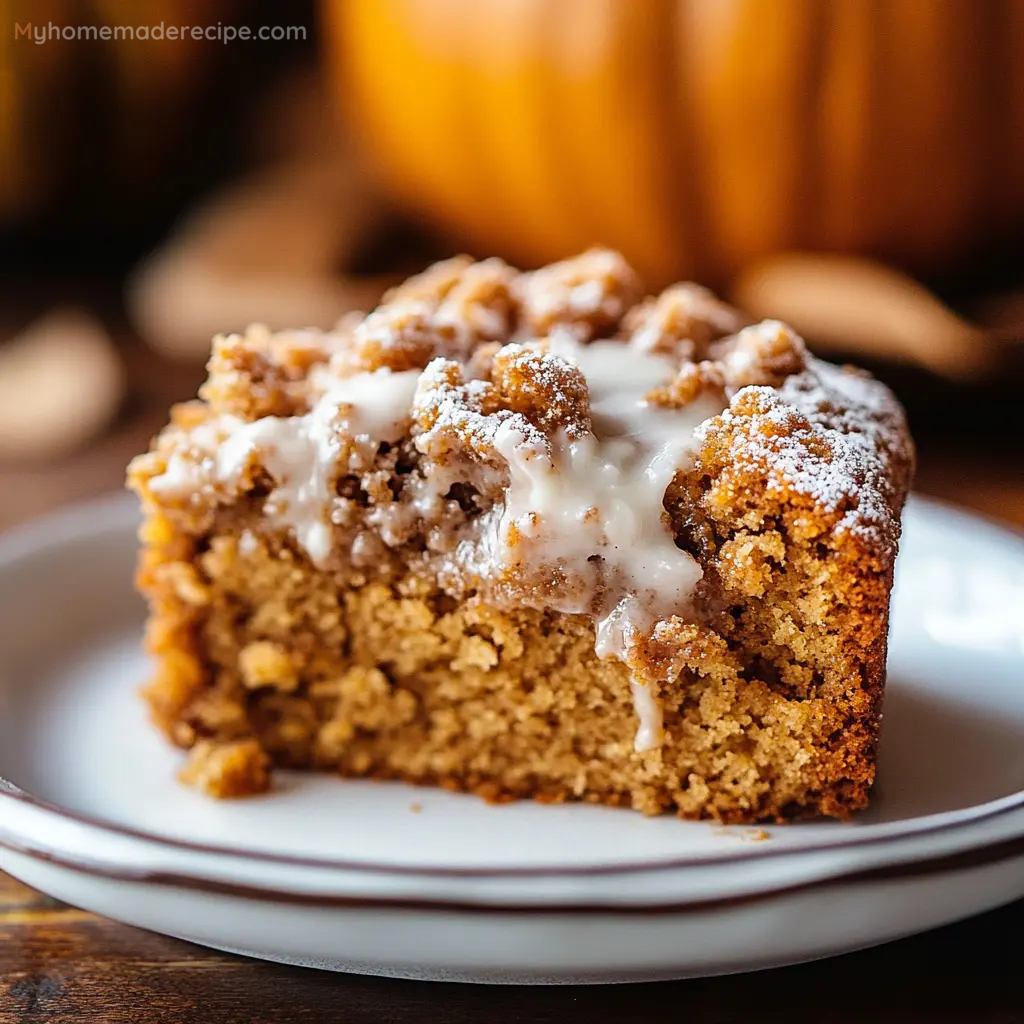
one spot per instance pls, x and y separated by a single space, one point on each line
998 853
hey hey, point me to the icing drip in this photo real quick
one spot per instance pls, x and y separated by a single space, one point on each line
299 452
591 508
584 510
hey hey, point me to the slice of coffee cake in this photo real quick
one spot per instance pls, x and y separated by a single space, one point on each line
529 535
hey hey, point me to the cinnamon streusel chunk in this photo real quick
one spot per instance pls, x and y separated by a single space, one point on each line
530 535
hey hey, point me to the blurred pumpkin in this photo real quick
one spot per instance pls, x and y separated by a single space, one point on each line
695 135
87 117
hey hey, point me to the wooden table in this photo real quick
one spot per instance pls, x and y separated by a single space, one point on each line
61 965
58 964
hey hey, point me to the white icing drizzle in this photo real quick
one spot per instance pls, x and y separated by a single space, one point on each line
649 718
299 452
592 507
183 474
586 510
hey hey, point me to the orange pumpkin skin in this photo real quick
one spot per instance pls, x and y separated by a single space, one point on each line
695 135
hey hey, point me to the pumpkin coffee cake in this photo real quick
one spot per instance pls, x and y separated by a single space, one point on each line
529 535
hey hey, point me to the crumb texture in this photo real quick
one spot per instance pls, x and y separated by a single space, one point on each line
370 604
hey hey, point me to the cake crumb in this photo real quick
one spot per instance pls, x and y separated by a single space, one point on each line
264 663
227 770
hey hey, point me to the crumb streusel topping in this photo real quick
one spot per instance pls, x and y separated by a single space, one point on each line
518 434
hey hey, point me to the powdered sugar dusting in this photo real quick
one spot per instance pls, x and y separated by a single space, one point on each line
826 434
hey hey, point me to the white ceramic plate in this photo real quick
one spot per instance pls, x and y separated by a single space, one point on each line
382 878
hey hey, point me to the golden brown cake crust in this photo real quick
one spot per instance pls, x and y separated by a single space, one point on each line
396 655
